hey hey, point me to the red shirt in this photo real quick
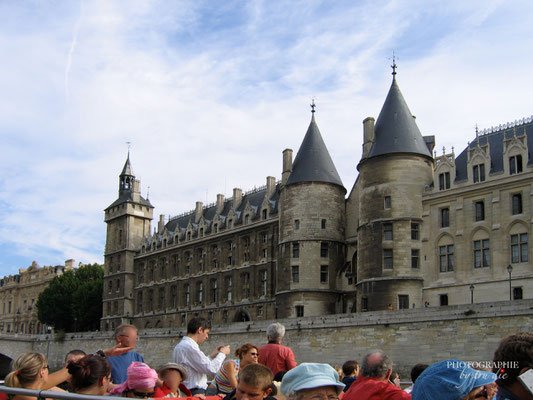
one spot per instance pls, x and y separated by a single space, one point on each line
164 390
277 357
365 388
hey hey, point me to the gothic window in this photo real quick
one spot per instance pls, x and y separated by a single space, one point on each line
515 164
299 311
446 258
415 258
247 219
161 305
387 231
229 288
519 248
264 214
480 210
245 278
296 250
444 217
264 282
517 203
110 286
118 286
295 274
444 181
324 274
481 253
387 258
387 202
296 224
265 237
150 300
200 292
265 253
415 231
214 293
174 296
323 224
187 294
215 228
479 173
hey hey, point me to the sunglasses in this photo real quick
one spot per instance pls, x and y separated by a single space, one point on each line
142 395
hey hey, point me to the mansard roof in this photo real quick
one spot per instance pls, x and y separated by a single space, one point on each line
396 130
495 137
313 162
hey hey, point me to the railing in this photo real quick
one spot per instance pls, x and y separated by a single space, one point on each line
48 394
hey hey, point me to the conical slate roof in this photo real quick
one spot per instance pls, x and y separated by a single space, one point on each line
396 130
127 170
313 162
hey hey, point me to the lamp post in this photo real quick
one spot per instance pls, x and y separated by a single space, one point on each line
472 294
510 270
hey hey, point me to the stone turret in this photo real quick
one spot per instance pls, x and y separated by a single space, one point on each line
311 227
394 169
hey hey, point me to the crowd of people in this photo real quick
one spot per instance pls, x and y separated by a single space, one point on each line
271 372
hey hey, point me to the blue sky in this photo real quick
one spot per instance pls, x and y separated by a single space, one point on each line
209 93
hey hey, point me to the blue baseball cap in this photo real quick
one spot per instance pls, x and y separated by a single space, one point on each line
310 376
449 380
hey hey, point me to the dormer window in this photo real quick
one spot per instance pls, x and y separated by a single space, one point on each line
479 173
264 214
444 181
515 164
247 219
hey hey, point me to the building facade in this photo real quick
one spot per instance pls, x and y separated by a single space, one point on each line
415 230
19 294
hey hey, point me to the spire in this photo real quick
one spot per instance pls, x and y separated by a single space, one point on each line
126 178
313 162
396 130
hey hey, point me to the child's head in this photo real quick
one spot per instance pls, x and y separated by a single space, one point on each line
254 382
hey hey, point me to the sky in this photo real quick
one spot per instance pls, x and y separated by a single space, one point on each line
210 93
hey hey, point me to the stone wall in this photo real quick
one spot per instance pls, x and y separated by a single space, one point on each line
467 332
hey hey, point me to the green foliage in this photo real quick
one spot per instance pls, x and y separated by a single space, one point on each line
73 301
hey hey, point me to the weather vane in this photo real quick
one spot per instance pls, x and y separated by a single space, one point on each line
394 66
129 147
313 105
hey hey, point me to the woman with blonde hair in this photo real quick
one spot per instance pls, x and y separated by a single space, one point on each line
226 378
30 371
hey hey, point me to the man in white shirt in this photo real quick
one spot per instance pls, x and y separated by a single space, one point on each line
188 353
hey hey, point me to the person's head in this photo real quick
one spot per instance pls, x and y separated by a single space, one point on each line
377 365
417 370
73 355
199 328
350 368
488 391
275 332
394 378
172 375
126 335
450 380
27 369
90 374
247 353
309 381
512 358
254 382
140 383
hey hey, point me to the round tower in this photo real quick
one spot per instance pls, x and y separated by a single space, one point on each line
311 228
393 174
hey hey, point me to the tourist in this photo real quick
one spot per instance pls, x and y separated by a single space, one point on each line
172 375
373 380
226 378
255 383
350 370
188 353
274 355
450 380
313 381
126 337
513 357
30 371
90 375
140 382
72 355
394 378
415 373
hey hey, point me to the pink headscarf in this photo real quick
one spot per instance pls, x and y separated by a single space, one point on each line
140 375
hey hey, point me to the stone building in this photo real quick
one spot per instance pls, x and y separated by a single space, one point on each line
18 296
416 230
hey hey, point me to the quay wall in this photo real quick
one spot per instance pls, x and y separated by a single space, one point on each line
466 332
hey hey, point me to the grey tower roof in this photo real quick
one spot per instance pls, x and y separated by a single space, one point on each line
127 170
396 130
313 162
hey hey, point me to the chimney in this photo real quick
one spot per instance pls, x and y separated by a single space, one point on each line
237 197
198 211
220 203
368 135
137 190
161 224
271 185
287 165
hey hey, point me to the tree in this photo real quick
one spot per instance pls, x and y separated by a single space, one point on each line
73 300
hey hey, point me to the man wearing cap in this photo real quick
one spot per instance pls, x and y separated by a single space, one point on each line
310 380
373 381
450 380
172 375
